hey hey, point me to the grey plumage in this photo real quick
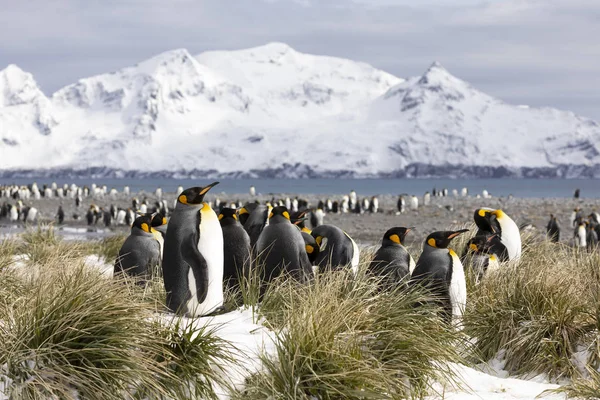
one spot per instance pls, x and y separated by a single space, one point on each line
139 256
280 248
236 248
392 262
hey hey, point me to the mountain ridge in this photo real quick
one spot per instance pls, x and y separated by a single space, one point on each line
273 111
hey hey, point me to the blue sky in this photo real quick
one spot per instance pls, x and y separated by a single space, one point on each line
536 52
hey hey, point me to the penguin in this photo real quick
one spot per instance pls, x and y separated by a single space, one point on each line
426 199
392 262
60 215
252 191
591 236
193 255
298 218
245 212
159 230
553 229
139 257
401 205
316 217
31 215
439 269
236 248
311 246
490 221
337 249
90 216
482 255
281 247
576 217
581 235
414 203
256 221
374 205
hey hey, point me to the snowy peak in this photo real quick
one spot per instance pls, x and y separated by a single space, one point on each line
18 87
282 75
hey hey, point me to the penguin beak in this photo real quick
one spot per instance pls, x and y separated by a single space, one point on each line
456 233
206 188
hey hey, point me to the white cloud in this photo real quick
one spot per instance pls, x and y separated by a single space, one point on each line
541 52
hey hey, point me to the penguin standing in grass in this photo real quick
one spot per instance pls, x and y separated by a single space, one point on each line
553 229
256 221
507 241
482 256
439 269
236 248
281 247
139 256
392 261
193 255
337 249
159 230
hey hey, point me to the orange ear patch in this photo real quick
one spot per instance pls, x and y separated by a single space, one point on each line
183 199
395 238
431 242
145 227
286 215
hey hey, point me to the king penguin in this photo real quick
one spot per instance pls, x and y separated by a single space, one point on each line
139 256
236 248
337 249
482 255
158 227
490 222
193 257
553 229
256 221
281 247
439 269
392 262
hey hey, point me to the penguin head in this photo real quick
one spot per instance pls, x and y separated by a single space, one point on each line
396 235
144 223
228 216
158 219
245 212
279 213
298 218
486 219
441 239
481 244
195 195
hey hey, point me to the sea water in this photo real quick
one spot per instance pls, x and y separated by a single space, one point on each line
589 188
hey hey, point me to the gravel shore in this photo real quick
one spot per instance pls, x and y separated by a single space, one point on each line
367 229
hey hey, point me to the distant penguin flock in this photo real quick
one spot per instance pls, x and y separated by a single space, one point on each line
202 249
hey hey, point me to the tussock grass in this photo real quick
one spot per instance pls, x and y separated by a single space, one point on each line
342 338
109 247
71 333
538 310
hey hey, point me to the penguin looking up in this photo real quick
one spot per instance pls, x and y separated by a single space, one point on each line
553 229
439 269
139 256
337 249
236 248
392 262
193 255
281 247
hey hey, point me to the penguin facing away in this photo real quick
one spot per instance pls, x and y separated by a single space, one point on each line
256 221
439 269
281 247
139 256
337 249
236 248
193 255
553 229
392 261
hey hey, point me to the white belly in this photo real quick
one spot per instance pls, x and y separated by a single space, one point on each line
458 288
511 237
211 248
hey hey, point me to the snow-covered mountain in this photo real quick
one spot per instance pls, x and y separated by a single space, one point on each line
273 111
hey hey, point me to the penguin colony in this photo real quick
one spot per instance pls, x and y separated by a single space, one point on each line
203 248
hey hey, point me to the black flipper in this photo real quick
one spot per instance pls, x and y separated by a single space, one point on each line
192 257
